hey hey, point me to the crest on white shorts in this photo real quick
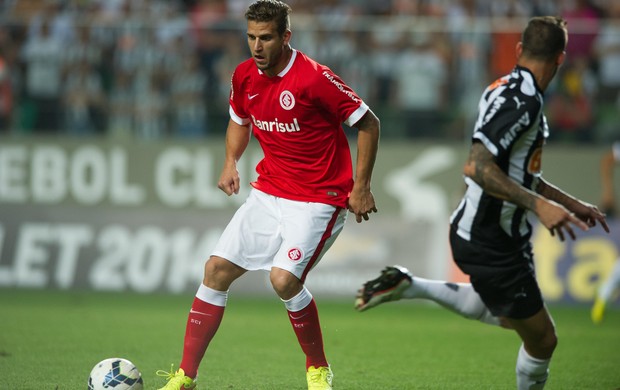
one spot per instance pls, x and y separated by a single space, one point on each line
295 254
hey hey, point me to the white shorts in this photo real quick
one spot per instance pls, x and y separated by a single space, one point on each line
267 231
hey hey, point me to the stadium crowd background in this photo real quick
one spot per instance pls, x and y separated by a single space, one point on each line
152 69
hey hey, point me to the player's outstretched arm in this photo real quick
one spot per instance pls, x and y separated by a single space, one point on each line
586 212
361 200
237 139
481 168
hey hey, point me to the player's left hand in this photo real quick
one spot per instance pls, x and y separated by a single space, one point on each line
590 214
361 203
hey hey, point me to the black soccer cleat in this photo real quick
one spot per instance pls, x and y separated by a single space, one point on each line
389 286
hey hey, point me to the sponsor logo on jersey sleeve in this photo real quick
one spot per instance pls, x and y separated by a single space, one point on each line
340 86
497 104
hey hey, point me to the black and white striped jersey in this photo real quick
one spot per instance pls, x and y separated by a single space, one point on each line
512 126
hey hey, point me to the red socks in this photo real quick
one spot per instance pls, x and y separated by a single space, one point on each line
202 323
204 319
308 330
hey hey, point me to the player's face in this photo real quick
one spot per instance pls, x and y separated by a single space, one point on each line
267 46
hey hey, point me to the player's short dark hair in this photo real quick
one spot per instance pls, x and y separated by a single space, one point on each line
544 38
268 11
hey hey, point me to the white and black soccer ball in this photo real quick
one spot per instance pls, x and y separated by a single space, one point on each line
115 374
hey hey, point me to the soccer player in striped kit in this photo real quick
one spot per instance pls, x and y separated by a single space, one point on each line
298 205
489 231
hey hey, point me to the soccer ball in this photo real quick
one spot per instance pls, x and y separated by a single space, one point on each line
115 374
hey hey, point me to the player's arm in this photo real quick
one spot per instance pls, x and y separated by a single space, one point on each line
482 169
361 200
586 212
608 202
237 139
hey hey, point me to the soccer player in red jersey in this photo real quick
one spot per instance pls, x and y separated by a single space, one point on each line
298 205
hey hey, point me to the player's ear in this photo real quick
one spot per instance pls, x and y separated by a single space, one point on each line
561 58
286 37
519 49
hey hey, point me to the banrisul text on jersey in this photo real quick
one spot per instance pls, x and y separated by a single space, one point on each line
276 125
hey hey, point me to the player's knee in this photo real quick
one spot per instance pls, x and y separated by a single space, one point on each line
545 345
550 339
549 342
219 273
285 284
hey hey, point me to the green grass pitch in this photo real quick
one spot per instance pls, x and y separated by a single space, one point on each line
52 339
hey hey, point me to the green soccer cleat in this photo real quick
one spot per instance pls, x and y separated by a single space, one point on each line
389 286
598 310
176 380
319 378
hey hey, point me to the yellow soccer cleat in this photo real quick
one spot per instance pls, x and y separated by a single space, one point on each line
319 378
598 310
176 380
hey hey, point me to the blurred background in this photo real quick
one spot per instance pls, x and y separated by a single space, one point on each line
113 112
153 69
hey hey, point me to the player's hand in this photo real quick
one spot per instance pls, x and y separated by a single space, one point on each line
558 219
590 214
229 181
361 203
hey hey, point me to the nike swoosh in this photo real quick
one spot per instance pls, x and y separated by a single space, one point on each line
250 97
298 318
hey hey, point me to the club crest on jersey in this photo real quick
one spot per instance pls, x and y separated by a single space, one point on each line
534 166
295 254
287 100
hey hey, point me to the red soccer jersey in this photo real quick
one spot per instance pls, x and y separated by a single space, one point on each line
297 118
